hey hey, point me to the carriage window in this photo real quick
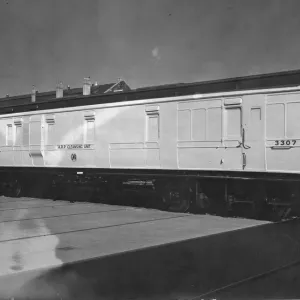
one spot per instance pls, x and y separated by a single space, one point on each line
184 125
293 120
275 120
9 135
233 121
214 124
198 124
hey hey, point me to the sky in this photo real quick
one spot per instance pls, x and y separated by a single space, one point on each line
145 42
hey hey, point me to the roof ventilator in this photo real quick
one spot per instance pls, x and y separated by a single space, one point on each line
18 121
33 94
89 115
50 119
87 86
60 90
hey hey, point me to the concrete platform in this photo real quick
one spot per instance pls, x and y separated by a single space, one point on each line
59 250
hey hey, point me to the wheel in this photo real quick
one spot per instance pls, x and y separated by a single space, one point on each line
279 213
203 204
176 198
210 198
14 189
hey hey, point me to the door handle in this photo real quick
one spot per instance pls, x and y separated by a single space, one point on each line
243 140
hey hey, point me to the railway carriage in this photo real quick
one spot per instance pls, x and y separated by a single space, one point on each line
210 146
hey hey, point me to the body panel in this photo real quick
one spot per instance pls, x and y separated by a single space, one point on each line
217 132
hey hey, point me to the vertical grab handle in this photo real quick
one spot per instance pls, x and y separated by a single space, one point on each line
244 160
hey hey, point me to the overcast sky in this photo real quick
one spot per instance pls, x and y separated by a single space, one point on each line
146 42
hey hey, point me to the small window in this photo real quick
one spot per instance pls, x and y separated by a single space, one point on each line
233 122
50 130
18 136
18 132
89 127
152 114
89 131
153 127
184 125
9 135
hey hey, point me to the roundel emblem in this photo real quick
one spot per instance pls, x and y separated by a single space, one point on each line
73 157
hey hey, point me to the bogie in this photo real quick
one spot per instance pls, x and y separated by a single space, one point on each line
226 197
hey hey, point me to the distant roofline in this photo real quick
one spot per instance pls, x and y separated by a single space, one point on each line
226 79
280 79
66 90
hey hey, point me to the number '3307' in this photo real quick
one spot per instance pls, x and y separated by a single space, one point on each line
285 143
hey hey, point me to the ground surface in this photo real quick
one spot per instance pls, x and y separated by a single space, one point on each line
97 251
32 229
284 284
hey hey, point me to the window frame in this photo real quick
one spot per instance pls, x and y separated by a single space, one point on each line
9 142
152 112
280 121
89 117
49 123
232 137
187 125
20 135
